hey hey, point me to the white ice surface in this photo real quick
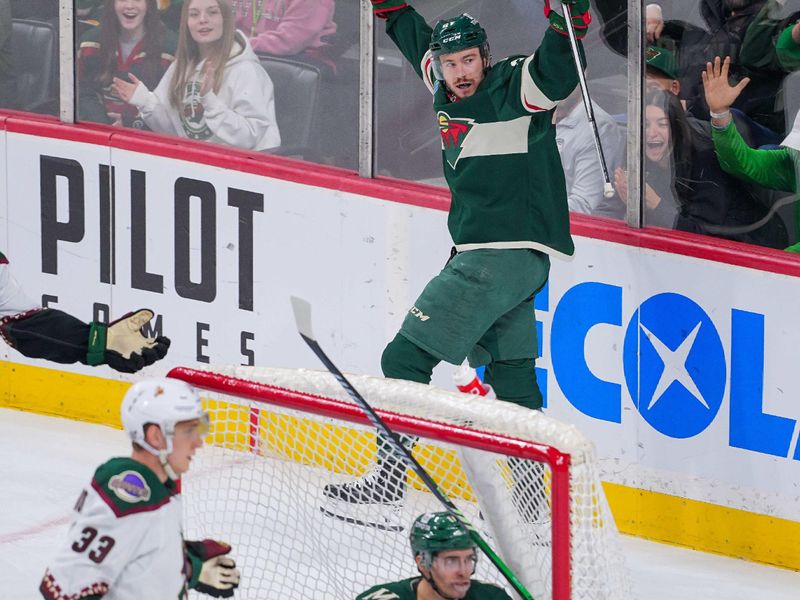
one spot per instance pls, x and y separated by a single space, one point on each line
45 462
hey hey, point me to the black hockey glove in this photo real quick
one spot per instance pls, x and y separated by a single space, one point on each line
124 348
212 572
57 336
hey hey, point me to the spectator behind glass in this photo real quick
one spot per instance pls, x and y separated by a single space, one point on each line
685 187
582 171
788 48
776 169
661 70
296 29
758 52
8 82
727 22
90 11
130 40
216 90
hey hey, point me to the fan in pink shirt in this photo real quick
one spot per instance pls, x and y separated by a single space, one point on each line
296 29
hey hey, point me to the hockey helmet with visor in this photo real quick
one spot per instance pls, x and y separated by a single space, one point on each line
162 402
454 35
437 532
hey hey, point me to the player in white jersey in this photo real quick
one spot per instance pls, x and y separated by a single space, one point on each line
125 541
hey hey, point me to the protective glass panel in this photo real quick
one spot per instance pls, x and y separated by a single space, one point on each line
696 179
29 55
262 75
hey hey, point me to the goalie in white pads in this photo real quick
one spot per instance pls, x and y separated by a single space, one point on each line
125 541
446 557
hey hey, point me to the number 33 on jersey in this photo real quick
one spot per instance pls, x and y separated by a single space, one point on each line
124 542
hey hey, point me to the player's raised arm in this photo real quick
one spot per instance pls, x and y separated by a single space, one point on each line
410 33
552 67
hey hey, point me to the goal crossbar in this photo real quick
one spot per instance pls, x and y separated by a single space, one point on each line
462 435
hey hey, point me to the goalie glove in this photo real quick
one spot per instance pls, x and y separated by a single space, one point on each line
212 572
382 8
580 17
57 336
122 346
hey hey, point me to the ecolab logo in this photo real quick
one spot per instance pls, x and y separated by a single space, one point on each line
674 364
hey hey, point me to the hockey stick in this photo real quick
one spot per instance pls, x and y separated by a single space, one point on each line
608 188
302 317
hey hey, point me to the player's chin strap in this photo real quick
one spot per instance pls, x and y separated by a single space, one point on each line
164 460
430 580
436 589
162 454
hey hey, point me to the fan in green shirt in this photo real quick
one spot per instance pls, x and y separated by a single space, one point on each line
446 557
775 169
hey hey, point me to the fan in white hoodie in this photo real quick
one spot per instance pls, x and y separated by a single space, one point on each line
240 113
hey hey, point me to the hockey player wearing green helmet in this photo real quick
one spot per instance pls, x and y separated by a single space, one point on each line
508 213
446 558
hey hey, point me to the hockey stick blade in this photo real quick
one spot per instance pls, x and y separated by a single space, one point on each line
302 312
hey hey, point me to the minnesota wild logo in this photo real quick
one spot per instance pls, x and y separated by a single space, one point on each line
193 114
453 132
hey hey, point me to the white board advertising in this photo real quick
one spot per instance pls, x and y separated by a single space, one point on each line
680 369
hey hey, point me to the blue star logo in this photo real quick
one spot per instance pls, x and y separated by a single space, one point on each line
674 365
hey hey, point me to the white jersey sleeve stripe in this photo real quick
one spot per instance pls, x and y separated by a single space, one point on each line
427 70
533 99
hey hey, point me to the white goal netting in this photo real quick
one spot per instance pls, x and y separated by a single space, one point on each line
282 438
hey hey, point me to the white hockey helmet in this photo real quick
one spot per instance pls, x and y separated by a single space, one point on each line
163 402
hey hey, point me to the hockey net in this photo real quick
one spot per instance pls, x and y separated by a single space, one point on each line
529 483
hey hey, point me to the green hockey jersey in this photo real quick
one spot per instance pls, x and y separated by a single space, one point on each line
406 589
499 150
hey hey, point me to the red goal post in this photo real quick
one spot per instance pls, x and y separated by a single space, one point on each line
267 399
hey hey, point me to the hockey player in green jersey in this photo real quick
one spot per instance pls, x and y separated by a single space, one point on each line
125 541
446 557
508 211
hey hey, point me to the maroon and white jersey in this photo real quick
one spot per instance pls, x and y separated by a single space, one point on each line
125 541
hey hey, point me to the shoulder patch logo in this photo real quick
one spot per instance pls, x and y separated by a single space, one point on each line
453 132
130 487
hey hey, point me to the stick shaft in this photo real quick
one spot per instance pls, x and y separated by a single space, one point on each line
401 451
587 101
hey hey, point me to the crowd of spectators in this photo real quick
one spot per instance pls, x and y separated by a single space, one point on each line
694 181
149 64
